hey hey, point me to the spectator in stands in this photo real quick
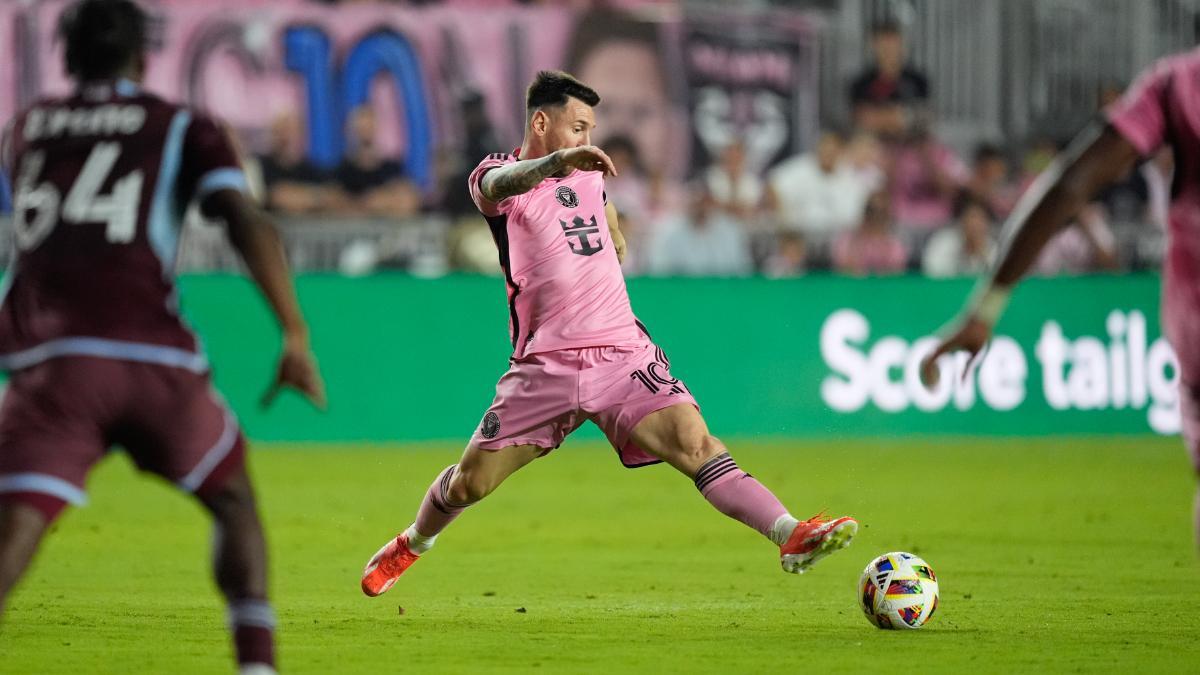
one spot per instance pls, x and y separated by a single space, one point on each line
872 248
630 188
790 258
630 191
370 184
478 140
293 184
1037 157
865 158
1087 245
964 248
818 194
989 180
703 241
889 92
732 186
925 177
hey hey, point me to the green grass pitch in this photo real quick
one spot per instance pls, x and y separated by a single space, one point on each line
1053 556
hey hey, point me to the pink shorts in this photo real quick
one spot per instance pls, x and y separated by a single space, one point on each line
1181 324
544 397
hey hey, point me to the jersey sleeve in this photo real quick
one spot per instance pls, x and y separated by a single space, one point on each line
1140 115
475 184
209 162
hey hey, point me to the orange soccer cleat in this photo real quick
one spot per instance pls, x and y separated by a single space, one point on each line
814 539
386 566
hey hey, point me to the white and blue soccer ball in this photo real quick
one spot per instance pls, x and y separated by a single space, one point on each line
898 591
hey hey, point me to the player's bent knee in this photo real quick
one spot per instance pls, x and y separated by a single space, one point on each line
694 449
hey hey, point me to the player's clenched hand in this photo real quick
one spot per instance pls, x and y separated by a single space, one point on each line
970 336
587 158
297 369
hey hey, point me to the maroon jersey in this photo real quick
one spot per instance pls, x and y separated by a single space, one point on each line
101 181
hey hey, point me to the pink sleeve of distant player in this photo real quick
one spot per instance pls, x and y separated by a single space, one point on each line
475 184
1140 114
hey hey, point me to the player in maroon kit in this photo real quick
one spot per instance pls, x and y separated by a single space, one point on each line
1161 108
90 327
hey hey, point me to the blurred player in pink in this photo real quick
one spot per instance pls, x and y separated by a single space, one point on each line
1161 108
578 351
90 328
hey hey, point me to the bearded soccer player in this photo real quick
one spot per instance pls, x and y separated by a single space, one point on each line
1161 108
90 328
578 351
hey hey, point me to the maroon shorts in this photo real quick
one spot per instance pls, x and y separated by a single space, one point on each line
61 416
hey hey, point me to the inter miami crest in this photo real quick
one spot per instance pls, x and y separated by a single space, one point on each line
567 197
490 426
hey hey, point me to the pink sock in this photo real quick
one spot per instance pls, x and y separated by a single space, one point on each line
436 510
738 495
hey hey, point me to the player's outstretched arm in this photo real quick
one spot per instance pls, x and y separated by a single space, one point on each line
614 231
521 177
257 241
1099 157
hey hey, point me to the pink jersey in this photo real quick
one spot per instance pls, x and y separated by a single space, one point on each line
1163 108
565 287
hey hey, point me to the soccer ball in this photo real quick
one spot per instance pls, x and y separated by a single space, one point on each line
898 590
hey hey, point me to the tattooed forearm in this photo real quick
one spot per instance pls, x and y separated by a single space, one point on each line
519 177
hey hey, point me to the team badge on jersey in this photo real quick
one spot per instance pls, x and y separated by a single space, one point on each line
567 197
490 426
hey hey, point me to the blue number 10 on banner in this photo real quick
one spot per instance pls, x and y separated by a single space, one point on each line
330 98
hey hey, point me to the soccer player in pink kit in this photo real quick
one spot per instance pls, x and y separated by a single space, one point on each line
578 351
1161 108
90 326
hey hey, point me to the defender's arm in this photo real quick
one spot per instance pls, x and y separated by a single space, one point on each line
1099 157
257 241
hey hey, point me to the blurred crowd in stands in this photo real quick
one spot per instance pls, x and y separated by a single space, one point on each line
881 196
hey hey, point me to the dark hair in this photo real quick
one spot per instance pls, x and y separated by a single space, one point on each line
836 132
987 151
621 142
553 87
102 37
966 200
887 27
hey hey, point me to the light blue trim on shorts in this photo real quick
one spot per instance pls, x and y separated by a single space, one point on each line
213 456
43 483
108 349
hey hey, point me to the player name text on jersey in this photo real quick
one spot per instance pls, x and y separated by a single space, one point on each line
104 120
